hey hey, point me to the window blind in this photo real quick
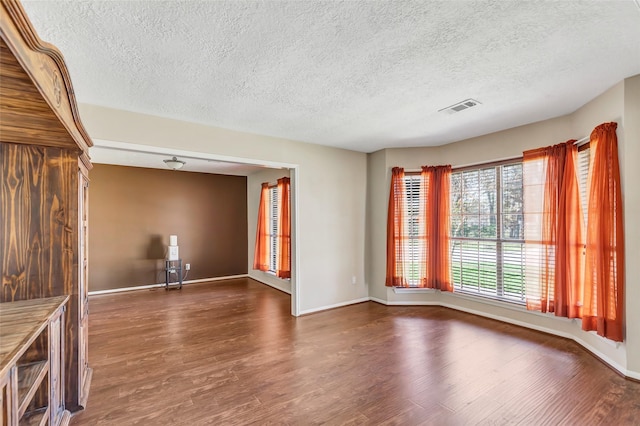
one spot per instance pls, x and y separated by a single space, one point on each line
273 228
413 239
534 175
584 158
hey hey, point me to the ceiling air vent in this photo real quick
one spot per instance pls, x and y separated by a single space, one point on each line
460 106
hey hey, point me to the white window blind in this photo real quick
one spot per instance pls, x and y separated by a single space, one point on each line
584 158
273 228
413 245
535 172
487 232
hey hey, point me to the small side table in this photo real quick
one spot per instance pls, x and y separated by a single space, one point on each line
169 267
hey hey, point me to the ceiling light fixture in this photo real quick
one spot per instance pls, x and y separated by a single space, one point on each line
174 163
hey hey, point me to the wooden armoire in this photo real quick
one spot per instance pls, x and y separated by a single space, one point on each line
44 165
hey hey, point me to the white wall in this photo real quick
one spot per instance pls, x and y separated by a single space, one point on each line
620 104
254 188
330 182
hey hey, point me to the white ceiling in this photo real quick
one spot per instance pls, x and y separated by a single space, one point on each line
361 74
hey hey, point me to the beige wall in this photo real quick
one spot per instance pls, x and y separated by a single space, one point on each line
330 185
620 104
630 154
377 204
254 187
134 210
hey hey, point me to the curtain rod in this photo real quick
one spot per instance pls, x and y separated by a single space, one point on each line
505 159
579 142
582 141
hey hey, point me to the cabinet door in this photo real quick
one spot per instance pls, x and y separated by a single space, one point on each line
56 363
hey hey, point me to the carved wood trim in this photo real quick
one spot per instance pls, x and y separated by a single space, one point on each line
85 163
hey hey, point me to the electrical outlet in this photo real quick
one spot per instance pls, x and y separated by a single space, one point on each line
187 266
353 279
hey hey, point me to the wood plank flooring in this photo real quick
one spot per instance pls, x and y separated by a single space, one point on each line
229 353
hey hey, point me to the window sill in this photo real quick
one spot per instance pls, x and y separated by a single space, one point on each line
488 297
400 290
492 301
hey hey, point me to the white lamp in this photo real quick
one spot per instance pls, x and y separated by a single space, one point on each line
174 163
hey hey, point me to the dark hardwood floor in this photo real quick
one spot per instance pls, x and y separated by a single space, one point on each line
230 353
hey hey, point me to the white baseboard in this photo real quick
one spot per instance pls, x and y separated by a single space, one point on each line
633 374
607 360
145 287
547 330
337 305
270 284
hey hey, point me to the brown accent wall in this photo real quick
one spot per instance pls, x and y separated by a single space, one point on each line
132 212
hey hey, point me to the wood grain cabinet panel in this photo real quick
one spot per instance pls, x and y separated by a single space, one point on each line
39 242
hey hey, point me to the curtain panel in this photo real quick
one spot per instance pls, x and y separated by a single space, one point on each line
283 268
437 181
261 253
554 230
604 280
395 276
573 270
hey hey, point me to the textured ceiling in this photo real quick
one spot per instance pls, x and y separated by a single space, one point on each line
358 74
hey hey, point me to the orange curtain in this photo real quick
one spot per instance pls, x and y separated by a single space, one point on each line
604 280
283 269
569 234
560 232
437 180
261 253
395 232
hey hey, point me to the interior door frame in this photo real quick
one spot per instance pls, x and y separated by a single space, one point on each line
294 175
